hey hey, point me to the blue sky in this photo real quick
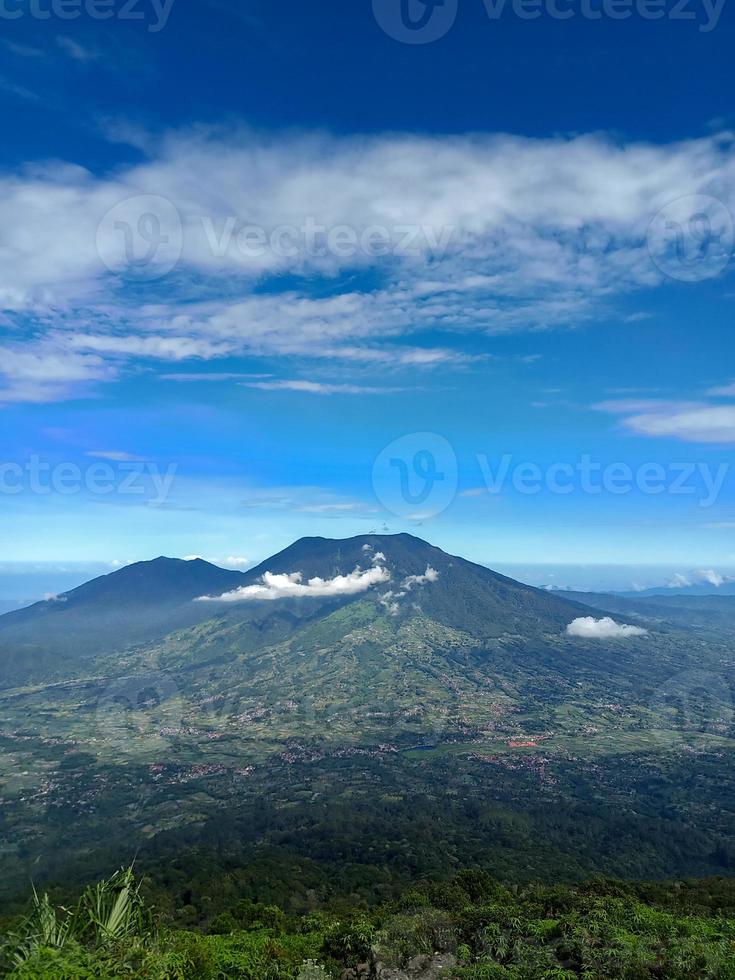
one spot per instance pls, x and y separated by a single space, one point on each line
262 261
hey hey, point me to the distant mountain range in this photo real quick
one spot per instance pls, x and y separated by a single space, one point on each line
698 589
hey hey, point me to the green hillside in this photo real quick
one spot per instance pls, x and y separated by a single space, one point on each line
343 734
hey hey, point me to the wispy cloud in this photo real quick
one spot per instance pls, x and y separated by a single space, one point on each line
707 576
22 50
318 387
75 50
687 421
490 235
234 562
212 376
724 391
115 456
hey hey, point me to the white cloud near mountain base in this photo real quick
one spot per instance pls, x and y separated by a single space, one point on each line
589 628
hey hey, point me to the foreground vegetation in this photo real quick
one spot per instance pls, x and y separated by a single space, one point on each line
471 927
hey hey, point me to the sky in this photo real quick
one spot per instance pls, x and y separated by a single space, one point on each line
273 269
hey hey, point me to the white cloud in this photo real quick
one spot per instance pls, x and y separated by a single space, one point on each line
589 628
212 376
318 387
231 562
430 575
75 50
115 457
305 500
688 421
44 373
705 424
274 586
390 599
330 508
708 576
726 391
532 233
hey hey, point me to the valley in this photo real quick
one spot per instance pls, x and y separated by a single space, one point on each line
361 737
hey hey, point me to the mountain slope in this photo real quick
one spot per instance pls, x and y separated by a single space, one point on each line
134 604
713 611
346 694
464 595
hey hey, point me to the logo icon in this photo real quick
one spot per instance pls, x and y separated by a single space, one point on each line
415 476
691 707
137 716
415 21
692 238
141 238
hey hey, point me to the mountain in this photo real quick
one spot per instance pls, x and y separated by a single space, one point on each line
134 604
726 588
705 610
142 603
464 594
371 703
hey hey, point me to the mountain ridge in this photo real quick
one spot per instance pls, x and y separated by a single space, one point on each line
144 602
